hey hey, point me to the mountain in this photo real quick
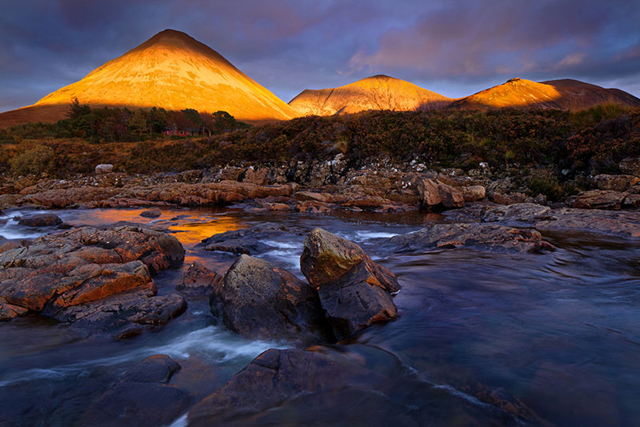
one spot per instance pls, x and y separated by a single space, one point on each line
372 93
564 94
170 70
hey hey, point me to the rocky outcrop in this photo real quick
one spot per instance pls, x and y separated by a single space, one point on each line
284 385
256 299
143 396
354 291
599 199
434 193
74 275
198 280
42 220
486 237
615 182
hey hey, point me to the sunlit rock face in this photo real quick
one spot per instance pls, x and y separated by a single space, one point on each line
174 71
564 94
373 93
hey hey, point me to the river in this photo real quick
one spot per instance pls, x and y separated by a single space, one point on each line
557 333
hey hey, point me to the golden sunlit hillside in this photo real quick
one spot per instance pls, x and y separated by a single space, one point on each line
373 93
555 94
171 70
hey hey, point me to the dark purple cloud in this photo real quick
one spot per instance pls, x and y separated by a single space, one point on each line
452 47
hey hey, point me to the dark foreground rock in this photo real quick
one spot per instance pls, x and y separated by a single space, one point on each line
42 220
151 213
249 241
143 396
71 276
354 291
486 237
259 300
283 387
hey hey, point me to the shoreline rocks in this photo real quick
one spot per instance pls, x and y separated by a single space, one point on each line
99 278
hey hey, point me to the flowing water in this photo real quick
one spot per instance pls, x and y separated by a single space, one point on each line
557 333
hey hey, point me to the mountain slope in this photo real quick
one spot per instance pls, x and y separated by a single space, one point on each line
372 93
564 94
173 71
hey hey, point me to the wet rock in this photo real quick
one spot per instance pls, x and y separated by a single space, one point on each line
8 245
615 182
326 257
314 207
631 166
117 314
54 273
151 213
598 199
354 291
198 280
492 238
43 220
352 303
362 386
259 300
143 396
104 169
517 212
10 311
631 201
249 241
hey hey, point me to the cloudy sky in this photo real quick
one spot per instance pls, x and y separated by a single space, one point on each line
453 47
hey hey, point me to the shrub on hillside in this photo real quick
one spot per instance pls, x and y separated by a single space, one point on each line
33 161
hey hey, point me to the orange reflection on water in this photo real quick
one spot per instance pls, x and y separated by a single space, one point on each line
187 226
192 233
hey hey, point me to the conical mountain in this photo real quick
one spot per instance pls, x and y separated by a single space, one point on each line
372 93
173 71
564 94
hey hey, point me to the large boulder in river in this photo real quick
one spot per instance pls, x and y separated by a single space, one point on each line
256 299
143 396
64 275
354 291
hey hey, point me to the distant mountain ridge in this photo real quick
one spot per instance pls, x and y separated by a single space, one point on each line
565 94
173 71
372 93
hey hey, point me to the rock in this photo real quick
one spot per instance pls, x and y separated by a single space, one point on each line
198 280
55 273
598 199
354 291
314 207
249 241
517 213
104 169
326 257
10 311
259 300
305 196
615 182
433 193
631 201
117 314
351 303
143 396
281 386
631 166
492 238
473 193
8 245
151 213
42 220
